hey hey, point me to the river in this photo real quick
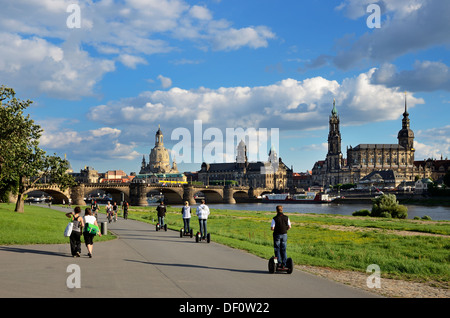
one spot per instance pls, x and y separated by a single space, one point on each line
435 212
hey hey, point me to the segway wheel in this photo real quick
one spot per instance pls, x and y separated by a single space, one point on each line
289 265
157 227
165 227
181 233
271 265
197 237
208 238
192 233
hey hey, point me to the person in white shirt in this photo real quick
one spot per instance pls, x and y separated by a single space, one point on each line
202 213
186 210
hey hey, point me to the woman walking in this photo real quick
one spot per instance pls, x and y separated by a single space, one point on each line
88 237
75 236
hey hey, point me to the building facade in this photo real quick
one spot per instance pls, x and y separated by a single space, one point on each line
272 174
364 159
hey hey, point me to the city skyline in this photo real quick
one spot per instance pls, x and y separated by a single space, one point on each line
102 88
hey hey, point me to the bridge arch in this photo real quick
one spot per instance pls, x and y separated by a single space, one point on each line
211 195
172 195
58 196
115 191
240 196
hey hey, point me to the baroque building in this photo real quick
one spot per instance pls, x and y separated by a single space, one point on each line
364 159
272 174
159 159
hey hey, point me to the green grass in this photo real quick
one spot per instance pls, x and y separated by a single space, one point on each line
36 225
312 241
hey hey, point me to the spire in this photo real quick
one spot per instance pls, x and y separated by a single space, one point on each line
406 107
334 110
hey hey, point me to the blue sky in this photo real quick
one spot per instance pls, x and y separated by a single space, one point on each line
100 91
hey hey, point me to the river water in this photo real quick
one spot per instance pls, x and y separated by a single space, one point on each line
435 212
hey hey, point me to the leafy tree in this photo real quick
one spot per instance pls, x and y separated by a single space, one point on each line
22 162
387 205
447 179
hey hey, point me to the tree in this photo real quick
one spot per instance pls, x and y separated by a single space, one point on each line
387 205
22 162
447 179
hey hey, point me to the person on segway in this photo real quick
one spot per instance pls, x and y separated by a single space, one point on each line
161 209
202 213
186 212
280 225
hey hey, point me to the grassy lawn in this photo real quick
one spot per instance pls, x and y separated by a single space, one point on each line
333 241
36 225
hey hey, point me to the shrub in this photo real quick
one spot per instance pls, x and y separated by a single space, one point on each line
388 204
426 217
400 212
363 212
385 214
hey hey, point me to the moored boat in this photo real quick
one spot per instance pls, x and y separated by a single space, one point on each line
307 197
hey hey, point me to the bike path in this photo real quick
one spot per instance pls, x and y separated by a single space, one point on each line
145 263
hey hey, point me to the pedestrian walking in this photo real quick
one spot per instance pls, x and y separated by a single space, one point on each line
280 225
202 214
88 237
94 209
75 236
125 210
186 212
115 211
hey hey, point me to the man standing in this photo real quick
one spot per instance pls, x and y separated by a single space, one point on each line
161 209
280 225
202 213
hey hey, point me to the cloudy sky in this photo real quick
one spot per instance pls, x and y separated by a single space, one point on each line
104 74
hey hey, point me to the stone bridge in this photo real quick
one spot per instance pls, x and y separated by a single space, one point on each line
136 193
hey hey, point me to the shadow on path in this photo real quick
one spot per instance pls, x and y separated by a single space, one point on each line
201 266
32 251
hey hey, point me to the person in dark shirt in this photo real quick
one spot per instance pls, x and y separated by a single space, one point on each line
161 209
280 225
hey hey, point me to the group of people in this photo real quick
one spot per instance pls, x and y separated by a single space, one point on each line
79 226
111 210
202 213
280 224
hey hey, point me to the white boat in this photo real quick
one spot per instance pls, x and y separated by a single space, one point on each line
307 197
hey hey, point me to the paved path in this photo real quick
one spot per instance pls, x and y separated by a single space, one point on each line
151 264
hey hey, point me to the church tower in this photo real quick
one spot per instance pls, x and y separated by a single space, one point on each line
334 155
406 135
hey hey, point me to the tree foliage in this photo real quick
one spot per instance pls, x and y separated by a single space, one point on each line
22 162
387 205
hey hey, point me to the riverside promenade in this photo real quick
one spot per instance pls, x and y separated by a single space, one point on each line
145 263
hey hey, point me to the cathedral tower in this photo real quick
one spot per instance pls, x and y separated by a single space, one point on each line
334 155
406 135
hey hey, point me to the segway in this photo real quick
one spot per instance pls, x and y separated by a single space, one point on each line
189 233
159 227
198 237
274 266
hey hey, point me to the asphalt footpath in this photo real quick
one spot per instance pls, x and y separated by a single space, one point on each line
145 263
